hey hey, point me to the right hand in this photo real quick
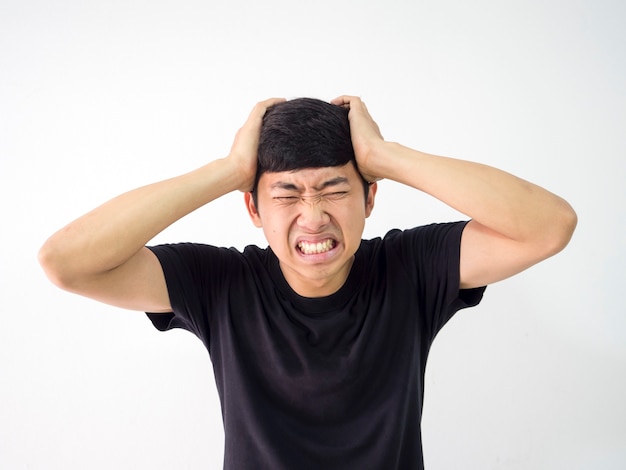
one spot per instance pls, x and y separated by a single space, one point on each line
243 152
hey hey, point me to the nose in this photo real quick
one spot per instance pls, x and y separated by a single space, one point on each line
312 216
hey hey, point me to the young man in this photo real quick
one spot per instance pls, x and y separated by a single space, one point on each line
318 342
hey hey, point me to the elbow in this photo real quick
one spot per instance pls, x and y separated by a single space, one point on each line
563 226
55 266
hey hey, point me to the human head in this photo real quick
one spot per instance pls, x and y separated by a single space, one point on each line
304 133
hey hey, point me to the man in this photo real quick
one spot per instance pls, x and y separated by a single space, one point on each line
318 342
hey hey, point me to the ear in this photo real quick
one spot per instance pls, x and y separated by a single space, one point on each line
252 210
371 195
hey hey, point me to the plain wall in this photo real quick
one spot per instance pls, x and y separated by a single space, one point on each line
97 98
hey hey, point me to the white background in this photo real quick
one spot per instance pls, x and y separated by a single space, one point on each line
97 98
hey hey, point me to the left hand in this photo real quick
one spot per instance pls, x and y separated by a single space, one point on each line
366 136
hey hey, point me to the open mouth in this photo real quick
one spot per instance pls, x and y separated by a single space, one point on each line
316 248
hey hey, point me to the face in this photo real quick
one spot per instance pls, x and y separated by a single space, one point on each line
313 220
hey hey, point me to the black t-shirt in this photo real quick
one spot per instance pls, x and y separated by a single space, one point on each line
319 383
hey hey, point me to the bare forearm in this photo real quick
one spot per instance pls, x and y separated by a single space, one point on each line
498 200
109 235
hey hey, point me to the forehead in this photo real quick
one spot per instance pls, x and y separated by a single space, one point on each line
310 178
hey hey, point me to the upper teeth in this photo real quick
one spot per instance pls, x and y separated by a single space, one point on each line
313 248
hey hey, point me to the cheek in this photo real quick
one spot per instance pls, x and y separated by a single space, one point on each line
275 227
355 221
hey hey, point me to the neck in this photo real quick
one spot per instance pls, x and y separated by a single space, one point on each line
322 284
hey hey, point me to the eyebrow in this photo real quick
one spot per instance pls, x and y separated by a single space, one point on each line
326 184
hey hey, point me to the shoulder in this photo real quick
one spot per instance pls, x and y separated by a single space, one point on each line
193 250
200 257
427 237
425 252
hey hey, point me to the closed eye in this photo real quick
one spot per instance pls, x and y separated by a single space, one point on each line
335 195
287 199
331 196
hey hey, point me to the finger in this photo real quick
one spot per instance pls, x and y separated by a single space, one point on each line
262 106
268 103
353 103
255 118
345 100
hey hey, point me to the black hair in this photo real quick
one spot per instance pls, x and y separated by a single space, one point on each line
304 133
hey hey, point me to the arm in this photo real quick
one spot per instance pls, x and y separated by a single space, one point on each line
102 255
515 224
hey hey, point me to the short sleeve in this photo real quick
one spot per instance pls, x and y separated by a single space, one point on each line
193 274
431 256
